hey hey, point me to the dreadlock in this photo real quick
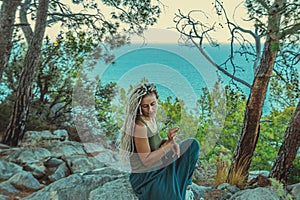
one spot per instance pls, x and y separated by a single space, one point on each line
126 143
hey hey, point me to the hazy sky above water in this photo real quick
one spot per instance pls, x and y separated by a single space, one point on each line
164 32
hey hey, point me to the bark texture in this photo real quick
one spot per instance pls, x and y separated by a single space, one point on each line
288 150
250 131
16 128
7 19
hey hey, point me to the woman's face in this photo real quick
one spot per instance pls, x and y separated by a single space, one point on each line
148 105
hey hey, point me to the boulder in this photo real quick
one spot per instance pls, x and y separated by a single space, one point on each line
38 170
66 148
82 163
2 197
4 146
53 162
43 138
260 193
25 180
199 191
295 190
122 186
8 169
7 188
29 155
228 188
61 171
74 186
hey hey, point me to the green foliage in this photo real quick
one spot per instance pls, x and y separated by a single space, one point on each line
275 46
212 106
137 11
278 188
235 105
284 95
294 176
60 63
231 112
103 99
204 114
123 17
271 137
169 114
219 152
173 113
118 107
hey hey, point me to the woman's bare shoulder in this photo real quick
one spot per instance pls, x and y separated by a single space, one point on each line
140 129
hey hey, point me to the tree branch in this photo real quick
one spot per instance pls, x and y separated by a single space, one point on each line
219 67
293 30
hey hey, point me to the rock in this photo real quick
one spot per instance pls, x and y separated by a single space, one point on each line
38 170
61 172
225 196
4 146
254 174
94 148
43 138
107 170
81 164
4 153
25 180
7 188
53 162
66 148
36 138
295 190
27 155
260 193
2 197
73 187
223 186
228 188
109 157
102 152
8 169
105 192
62 135
199 191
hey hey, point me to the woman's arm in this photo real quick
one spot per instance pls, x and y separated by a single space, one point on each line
147 157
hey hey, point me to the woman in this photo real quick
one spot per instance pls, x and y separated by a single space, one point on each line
160 169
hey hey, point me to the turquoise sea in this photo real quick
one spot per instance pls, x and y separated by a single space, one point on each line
177 70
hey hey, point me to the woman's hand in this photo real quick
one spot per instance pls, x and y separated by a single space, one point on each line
172 133
176 150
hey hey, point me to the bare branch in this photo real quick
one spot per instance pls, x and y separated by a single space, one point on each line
293 30
197 30
219 67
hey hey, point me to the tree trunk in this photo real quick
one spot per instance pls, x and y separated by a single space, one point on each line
16 128
288 150
238 172
7 19
250 132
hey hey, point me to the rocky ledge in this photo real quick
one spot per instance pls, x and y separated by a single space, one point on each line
47 165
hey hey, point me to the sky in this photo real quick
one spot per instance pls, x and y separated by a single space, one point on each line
164 30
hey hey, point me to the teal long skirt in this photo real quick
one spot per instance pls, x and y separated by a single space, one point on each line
169 182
